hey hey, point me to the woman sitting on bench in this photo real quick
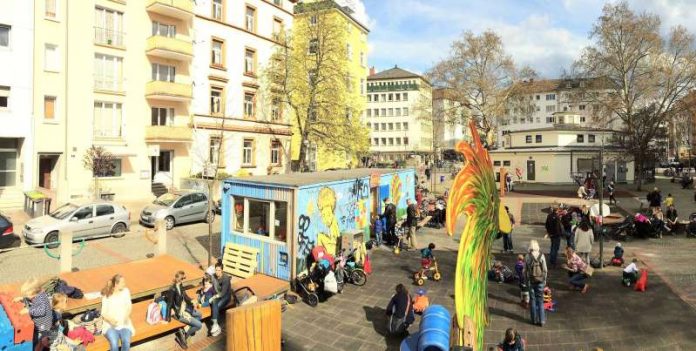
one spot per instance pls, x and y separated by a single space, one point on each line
115 311
184 310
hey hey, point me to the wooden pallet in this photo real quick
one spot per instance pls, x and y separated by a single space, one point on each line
239 260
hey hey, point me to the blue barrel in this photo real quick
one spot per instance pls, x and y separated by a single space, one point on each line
410 343
435 329
6 331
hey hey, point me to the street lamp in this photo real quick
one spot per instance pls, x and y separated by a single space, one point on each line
601 201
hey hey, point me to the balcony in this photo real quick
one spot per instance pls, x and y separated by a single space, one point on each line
181 9
168 91
169 48
168 134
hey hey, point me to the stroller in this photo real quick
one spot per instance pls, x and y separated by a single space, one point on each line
307 288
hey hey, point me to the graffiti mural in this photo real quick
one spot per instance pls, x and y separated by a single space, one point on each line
305 244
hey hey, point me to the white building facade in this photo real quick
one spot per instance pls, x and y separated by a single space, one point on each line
399 115
236 128
450 120
16 89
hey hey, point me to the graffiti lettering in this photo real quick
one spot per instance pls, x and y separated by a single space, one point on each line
305 244
359 189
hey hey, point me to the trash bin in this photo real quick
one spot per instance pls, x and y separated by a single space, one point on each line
36 203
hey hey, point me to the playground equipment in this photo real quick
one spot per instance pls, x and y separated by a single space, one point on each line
433 332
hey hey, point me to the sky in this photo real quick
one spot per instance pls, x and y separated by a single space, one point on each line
547 35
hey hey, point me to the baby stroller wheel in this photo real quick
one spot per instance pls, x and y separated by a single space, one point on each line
358 277
312 299
420 281
437 276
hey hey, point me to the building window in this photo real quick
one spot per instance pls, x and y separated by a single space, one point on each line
4 36
384 126
376 112
276 109
217 57
383 112
590 138
537 138
398 111
405 98
391 126
108 120
276 152
4 97
349 113
313 20
217 9
582 119
249 62
550 119
581 107
362 59
51 9
162 116
214 150
391 141
384 141
362 86
163 73
250 22
390 112
49 107
405 125
163 30
115 169
369 112
277 28
398 126
580 138
349 52
216 95
108 72
405 111
398 141
550 97
376 126
248 152
506 163
375 141
551 108
528 139
249 108
406 141
259 213
108 27
51 58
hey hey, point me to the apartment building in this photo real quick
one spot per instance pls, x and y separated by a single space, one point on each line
399 115
113 74
450 121
354 39
16 84
236 128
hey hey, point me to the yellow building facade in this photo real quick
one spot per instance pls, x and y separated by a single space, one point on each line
112 73
321 158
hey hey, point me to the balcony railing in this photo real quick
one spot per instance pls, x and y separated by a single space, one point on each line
106 36
171 48
168 91
168 133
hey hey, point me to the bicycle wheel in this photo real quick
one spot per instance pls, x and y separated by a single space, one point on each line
358 277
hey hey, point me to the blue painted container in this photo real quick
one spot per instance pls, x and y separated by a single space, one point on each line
6 331
435 327
25 346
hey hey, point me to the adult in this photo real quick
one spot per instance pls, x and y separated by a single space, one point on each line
38 306
566 218
658 221
611 188
672 218
400 311
116 309
584 238
219 301
412 222
554 230
582 191
389 216
577 269
536 272
654 198
507 237
184 310
508 182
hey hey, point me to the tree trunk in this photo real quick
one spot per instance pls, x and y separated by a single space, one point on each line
301 161
639 174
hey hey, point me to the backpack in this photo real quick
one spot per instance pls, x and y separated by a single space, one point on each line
537 273
154 313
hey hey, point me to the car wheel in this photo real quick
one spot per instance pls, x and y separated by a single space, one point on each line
119 230
210 218
51 240
169 222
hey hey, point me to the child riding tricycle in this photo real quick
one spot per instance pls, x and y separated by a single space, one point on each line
429 269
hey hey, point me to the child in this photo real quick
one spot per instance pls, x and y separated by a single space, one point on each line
524 291
669 200
501 272
618 254
630 273
206 291
427 258
379 230
512 342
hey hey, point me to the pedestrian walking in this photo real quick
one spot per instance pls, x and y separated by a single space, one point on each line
554 230
611 189
536 272
507 237
412 222
508 182
584 238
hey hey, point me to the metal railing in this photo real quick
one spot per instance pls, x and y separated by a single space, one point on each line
107 36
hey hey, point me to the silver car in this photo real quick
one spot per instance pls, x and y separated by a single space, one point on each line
178 207
85 219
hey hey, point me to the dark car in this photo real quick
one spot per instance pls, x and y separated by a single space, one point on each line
8 238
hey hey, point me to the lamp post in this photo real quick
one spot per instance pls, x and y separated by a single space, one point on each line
601 201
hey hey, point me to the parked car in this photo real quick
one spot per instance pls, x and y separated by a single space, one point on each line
8 238
85 219
178 207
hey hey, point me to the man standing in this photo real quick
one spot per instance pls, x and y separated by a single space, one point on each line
554 229
412 222
389 217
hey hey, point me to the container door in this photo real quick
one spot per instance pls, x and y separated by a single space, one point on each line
531 173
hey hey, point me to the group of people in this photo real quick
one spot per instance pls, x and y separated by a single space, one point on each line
661 221
385 224
50 320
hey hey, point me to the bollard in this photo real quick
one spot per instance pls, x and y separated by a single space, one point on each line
66 237
161 232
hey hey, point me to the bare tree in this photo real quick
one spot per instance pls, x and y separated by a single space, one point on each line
648 74
480 75
100 162
310 75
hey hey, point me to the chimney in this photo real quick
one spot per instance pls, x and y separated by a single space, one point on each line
372 70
